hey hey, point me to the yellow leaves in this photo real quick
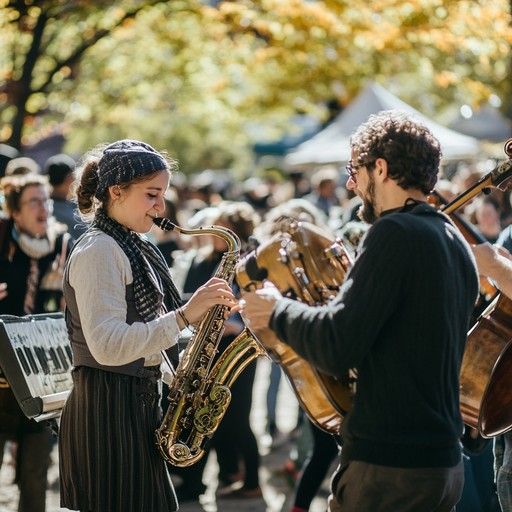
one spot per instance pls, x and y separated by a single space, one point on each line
5 131
219 85
232 8
478 91
36 103
62 74
261 55
446 79
276 29
117 12
8 15
89 32
127 23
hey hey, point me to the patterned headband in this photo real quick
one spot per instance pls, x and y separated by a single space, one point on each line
125 160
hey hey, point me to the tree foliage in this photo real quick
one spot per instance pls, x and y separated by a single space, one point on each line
191 76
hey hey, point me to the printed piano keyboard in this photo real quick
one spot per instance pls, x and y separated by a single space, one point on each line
35 357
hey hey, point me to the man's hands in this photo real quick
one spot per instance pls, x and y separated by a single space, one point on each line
256 307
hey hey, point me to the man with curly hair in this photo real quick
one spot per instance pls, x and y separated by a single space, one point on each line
400 320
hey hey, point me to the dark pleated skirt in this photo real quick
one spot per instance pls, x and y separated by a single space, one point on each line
108 458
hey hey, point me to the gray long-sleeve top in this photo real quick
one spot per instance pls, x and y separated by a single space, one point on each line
99 272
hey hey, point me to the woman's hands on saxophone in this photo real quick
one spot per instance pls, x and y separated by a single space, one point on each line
3 290
216 291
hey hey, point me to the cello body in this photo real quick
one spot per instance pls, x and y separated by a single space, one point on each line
486 372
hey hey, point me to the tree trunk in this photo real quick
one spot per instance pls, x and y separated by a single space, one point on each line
24 89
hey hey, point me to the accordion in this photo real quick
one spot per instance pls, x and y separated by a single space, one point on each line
36 360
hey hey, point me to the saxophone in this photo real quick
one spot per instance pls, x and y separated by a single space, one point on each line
200 391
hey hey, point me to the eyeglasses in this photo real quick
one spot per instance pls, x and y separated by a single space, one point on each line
352 169
36 203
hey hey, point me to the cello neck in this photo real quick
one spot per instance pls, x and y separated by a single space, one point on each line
498 178
467 229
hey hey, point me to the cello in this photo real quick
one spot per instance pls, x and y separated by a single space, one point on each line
485 398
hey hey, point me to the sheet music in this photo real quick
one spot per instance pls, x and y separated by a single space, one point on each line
36 358
40 347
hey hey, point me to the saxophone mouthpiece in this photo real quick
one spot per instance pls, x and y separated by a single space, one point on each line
164 224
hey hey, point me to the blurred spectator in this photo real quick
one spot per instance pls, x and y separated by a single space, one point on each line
22 165
32 254
323 196
301 185
61 173
351 234
168 241
277 220
467 175
7 153
257 193
486 216
505 204
447 190
209 186
350 211
234 441
322 452
278 217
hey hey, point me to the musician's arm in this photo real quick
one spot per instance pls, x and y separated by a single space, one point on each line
3 290
325 335
495 263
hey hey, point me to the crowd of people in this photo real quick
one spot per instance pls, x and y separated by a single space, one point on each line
78 234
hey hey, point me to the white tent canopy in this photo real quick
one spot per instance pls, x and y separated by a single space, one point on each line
486 123
331 145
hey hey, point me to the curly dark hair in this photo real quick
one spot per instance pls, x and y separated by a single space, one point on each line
410 149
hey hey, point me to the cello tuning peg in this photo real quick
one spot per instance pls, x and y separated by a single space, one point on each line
507 148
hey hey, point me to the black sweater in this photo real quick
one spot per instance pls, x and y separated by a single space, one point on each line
401 319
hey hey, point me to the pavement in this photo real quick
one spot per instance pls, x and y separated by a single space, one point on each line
277 488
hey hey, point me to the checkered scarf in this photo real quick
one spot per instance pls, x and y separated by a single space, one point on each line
152 283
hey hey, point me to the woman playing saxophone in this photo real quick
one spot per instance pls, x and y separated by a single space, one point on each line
234 441
123 312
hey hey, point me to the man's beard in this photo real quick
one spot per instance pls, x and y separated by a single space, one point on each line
367 212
